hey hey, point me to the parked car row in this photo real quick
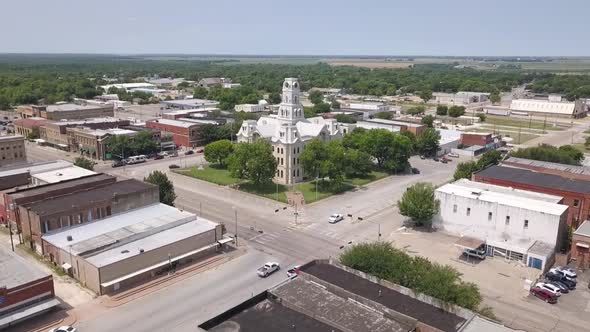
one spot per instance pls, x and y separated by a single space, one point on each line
156 156
559 280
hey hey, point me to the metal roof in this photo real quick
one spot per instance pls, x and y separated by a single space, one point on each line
34 168
584 229
546 164
62 174
518 175
15 270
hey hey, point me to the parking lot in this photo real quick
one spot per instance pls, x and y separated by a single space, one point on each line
502 284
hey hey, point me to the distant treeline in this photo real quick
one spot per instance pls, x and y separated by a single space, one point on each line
28 79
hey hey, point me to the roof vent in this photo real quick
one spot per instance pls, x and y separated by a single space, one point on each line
58 174
125 251
69 238
140 251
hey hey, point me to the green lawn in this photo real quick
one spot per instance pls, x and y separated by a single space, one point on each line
212 173
221 176
507 121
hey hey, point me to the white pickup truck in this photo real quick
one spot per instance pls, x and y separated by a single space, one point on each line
268 269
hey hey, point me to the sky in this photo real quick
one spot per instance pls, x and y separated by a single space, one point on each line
302 27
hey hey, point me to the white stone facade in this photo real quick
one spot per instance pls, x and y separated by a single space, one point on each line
288 132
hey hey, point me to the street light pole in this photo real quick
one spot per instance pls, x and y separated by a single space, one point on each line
236 216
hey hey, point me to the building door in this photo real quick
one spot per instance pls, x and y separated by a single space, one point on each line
535 263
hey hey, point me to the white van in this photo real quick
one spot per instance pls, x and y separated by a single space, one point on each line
136 159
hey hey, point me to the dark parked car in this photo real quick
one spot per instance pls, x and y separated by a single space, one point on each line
118 163
544 295
563 287
558 277
189 152
200 151
435 158
415 170
173 166
158 156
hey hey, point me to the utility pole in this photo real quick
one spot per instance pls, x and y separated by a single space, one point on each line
200 209
519 130
544 123
10 230
236 216
379 234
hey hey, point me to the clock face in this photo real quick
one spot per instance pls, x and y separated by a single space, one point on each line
286 84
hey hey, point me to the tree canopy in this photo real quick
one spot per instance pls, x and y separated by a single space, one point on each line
565 154
167 194
465 169
456 111
384 261
84 163
419 203
442 110
253 161
428 120
427 142
123 146
217 152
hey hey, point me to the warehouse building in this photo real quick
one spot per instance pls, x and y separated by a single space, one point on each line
25 291
514 224
186 104
550 108
184 133
66 111
124 249
55 213
546 167
575 192
327 296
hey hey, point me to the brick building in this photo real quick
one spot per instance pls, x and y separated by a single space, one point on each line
38 218
10 199
580 250
12 150
66 111
481 139
25 291
575 193
56 134
25 127
185 133
567 171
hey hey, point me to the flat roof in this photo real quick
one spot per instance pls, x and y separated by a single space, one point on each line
106 119
47 188
584 229
175 123
494 194
70 107
190 102
35 167
199 121
86 197
269 315
192 110
103 232
174 234
525 176
388 297
546 164
542 249
15 270
398 123
12 138
63 174
480 324
351 315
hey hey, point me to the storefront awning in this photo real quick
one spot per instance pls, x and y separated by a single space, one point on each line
583 245
467 242
225 240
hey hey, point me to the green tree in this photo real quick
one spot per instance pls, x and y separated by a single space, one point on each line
217 152
491 157
465 169
253 161
418 203
312 158
565 154
441 110
386 262
495 97
321 108
355 139
428 120
391 151
427 142
335 105
274 98
34 134
309 112
384 115
425 95
410 135
456 111
482 117
357 163
144 143
84 163
316 97
167 194
343 118
416 110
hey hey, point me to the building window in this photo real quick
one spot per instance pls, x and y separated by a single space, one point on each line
298 172
507 220
468 211
293 161
273 148
455 208
281 173
489 216
526 224
281 161
576 202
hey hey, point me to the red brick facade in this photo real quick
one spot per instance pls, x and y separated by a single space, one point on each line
580 253
23 294
469 139
183 136
579 203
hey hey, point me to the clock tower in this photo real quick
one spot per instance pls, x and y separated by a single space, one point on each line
291 110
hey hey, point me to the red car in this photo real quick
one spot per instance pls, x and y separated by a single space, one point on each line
544 295
200 151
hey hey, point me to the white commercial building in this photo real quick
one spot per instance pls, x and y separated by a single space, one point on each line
449 140
514 224
547 107
288 132
369 109
460 98
249 108
128 86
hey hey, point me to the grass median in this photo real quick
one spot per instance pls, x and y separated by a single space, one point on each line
311 192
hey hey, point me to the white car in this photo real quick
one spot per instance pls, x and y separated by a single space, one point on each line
268 269
551 288
567 272
453 155
292 273
334 218
63 329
